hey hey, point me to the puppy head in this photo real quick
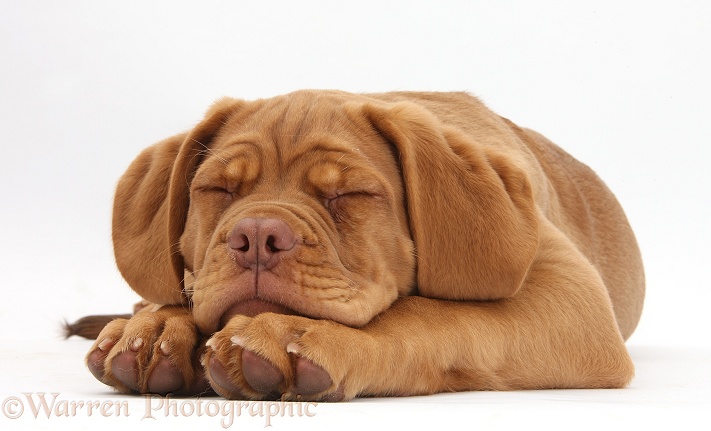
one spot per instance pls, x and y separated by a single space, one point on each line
282 205
309 203
296 209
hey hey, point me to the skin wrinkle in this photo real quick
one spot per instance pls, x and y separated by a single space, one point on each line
319 282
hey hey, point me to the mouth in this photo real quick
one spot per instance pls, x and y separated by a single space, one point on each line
251 308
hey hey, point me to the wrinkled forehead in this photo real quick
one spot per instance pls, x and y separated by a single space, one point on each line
294 122
276 137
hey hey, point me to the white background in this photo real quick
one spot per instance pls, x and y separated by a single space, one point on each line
85 85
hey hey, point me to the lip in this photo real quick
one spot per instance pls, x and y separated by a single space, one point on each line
251 308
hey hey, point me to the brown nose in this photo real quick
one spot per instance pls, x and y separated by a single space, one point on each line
260 242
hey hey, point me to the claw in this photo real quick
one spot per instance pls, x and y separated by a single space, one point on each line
164 348
105 344
238 341
211 343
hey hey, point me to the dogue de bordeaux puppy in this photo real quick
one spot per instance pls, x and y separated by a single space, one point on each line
323 245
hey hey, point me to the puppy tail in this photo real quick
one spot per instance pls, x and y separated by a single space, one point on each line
90 326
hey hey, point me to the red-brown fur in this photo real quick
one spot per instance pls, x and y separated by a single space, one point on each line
435 246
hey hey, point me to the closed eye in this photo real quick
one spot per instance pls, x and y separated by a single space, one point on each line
216 193
340 205
213 189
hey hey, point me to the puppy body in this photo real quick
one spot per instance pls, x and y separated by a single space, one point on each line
332 245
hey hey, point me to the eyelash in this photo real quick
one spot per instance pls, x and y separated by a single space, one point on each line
224 194
331 206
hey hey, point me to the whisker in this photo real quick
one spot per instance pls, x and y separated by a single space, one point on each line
208 150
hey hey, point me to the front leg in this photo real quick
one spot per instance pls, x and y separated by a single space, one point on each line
275 356
155 351
557 332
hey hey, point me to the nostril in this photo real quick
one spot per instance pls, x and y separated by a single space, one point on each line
271 244
239 242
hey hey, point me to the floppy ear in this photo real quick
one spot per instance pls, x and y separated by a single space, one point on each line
471 213
151 205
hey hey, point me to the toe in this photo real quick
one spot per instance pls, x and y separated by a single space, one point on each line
95 362
165 377
124 368
260 374
97 356
221 381
335 396
310 378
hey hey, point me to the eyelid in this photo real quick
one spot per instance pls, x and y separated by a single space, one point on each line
339 194
212 188
329 199
217 192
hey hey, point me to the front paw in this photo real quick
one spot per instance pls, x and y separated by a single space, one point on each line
152 352
274 356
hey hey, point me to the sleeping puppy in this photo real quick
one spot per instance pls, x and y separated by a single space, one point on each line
324 245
